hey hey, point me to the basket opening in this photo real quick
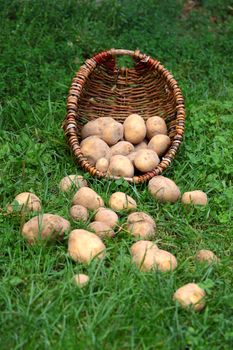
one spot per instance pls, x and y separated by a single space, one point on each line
124 62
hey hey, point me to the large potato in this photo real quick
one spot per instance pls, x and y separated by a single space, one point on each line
72 180
190 295
93 148
164 189
83 246
102 229
142 229
140 216
102 164
207 256
154 126
159 144
88 198
108 216
120 166
146 160
121 201
46 226
134 129
195 197
79 212
123 148
25 201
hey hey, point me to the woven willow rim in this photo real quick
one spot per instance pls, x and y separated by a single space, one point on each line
100 88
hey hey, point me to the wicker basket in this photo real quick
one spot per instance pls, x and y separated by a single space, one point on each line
100 89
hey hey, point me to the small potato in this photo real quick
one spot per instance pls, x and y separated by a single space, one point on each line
79 212
143 254
81 280
140 247
88 198
140 216
195 197
142 229
72 180
93 148
154 126
107 216
207 256
165 261
102 164
101 229
132 156
120 166
190 295
164 189
123 148
146 160
134 129
141 145
159 144
46 226
92 128
84 246
25 201
121 201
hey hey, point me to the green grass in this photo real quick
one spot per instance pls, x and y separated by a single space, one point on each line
42 45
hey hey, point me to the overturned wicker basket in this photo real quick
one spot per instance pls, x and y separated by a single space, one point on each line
100 89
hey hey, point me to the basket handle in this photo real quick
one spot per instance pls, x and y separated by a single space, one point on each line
135 54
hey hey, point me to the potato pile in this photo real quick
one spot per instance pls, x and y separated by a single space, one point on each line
94 224
133 147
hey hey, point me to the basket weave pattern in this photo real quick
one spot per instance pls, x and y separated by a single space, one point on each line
100 89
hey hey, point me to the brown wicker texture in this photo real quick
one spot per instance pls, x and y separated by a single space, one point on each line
100 89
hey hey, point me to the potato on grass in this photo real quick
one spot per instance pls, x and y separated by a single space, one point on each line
84 246
25 201
102 164
207 256
146 160
72 180
81 280
154 126
107 216
93 148
139 216
46 226
190 295
120 166
122 148
195 197
79 212
134 129
142 229
102 229
159 144
164 189
121 201
88 198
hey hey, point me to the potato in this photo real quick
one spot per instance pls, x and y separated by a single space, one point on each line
79 212
120 166
123 148
132 156
72 180
205 255
190 295
121 201
101 229
142 229
105 128
81 280
159 144
84 246
134 129
141 145
102 164
93 148
140 216
25 201
107 216
140 247
88 198
194 197
46 226
164 189
154 126
146 160
165 261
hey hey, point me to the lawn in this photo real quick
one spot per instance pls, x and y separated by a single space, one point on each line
43 43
